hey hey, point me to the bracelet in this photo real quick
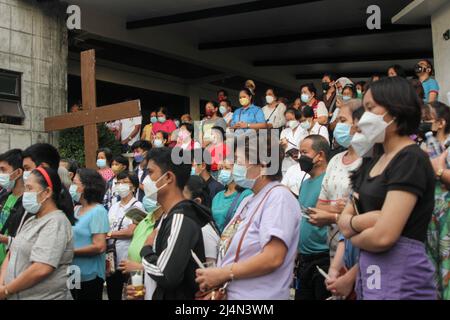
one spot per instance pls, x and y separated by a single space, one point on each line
351 225
231 273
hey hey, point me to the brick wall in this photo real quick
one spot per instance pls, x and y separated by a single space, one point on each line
33 41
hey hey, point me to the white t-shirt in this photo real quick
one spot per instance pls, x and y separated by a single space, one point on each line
321 130
275 116
128 126
115 215
211 241
321 110
294 177
294 139
336 186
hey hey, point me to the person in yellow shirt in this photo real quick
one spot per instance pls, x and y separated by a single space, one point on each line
147 131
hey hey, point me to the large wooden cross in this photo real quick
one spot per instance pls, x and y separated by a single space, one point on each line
91 115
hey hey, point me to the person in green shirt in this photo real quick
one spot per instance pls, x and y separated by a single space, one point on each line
226 202
313 248
11 209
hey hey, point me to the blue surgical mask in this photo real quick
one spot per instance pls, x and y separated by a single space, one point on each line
240 177
149 204
222 110
305 98
101 163
225 177
26 174
153 119
138 157
157 143
162 119
6 182
193 171
305 125
346 98
30 202
342 134
74 193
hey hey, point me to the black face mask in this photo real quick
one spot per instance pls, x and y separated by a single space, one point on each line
425 127
325 86
306 163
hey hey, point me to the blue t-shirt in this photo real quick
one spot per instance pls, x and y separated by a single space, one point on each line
251 114
94 221
430 85
351 253
312 239
222 203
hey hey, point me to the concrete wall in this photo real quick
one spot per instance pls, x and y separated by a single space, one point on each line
33 41
440 22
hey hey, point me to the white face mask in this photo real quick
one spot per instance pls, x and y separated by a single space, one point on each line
360 144
305 125
292 124
270 99
373 127
123 190
150 188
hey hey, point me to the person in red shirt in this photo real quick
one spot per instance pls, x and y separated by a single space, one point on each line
164 124
218 150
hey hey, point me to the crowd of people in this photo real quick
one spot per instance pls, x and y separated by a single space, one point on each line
338 194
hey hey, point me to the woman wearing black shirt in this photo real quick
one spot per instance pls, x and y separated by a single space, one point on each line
393 198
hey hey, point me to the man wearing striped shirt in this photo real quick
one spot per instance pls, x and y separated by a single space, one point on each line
166 256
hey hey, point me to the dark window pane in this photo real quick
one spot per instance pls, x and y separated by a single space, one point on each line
10 108
8 84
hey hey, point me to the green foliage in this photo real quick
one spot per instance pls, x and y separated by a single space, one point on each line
71 143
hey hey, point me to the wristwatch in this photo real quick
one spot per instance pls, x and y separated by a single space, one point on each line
439 174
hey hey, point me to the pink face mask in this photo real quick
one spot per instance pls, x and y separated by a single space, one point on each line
183 135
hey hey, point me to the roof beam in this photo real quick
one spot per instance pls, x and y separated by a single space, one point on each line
368 74
308 36
344 59
215 12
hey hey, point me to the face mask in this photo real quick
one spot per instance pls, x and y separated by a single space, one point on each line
30 202
244 102
209 113
325 86
270 99
359 94
361 145
240 177
123 190
424 127
193 173
26 174
373 127
116 169
306 163
177 123
74 193
305 125
342 134
158 143
162 119
101 163
138 157
222 110
292 124
225 177
150 188
183 135
149 204
6 182
346 98
305 98
153 119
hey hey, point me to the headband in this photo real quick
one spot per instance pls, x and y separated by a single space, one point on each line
46 177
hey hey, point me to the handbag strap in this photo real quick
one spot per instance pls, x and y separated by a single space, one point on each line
232 208
267 120
238 251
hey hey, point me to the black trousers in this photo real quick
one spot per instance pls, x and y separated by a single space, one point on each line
311 284
114 285
90 290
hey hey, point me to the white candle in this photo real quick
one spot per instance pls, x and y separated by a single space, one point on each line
136 279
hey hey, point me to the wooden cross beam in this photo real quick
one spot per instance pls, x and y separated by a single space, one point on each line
91 115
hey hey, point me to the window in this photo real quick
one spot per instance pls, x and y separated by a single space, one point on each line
11 111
